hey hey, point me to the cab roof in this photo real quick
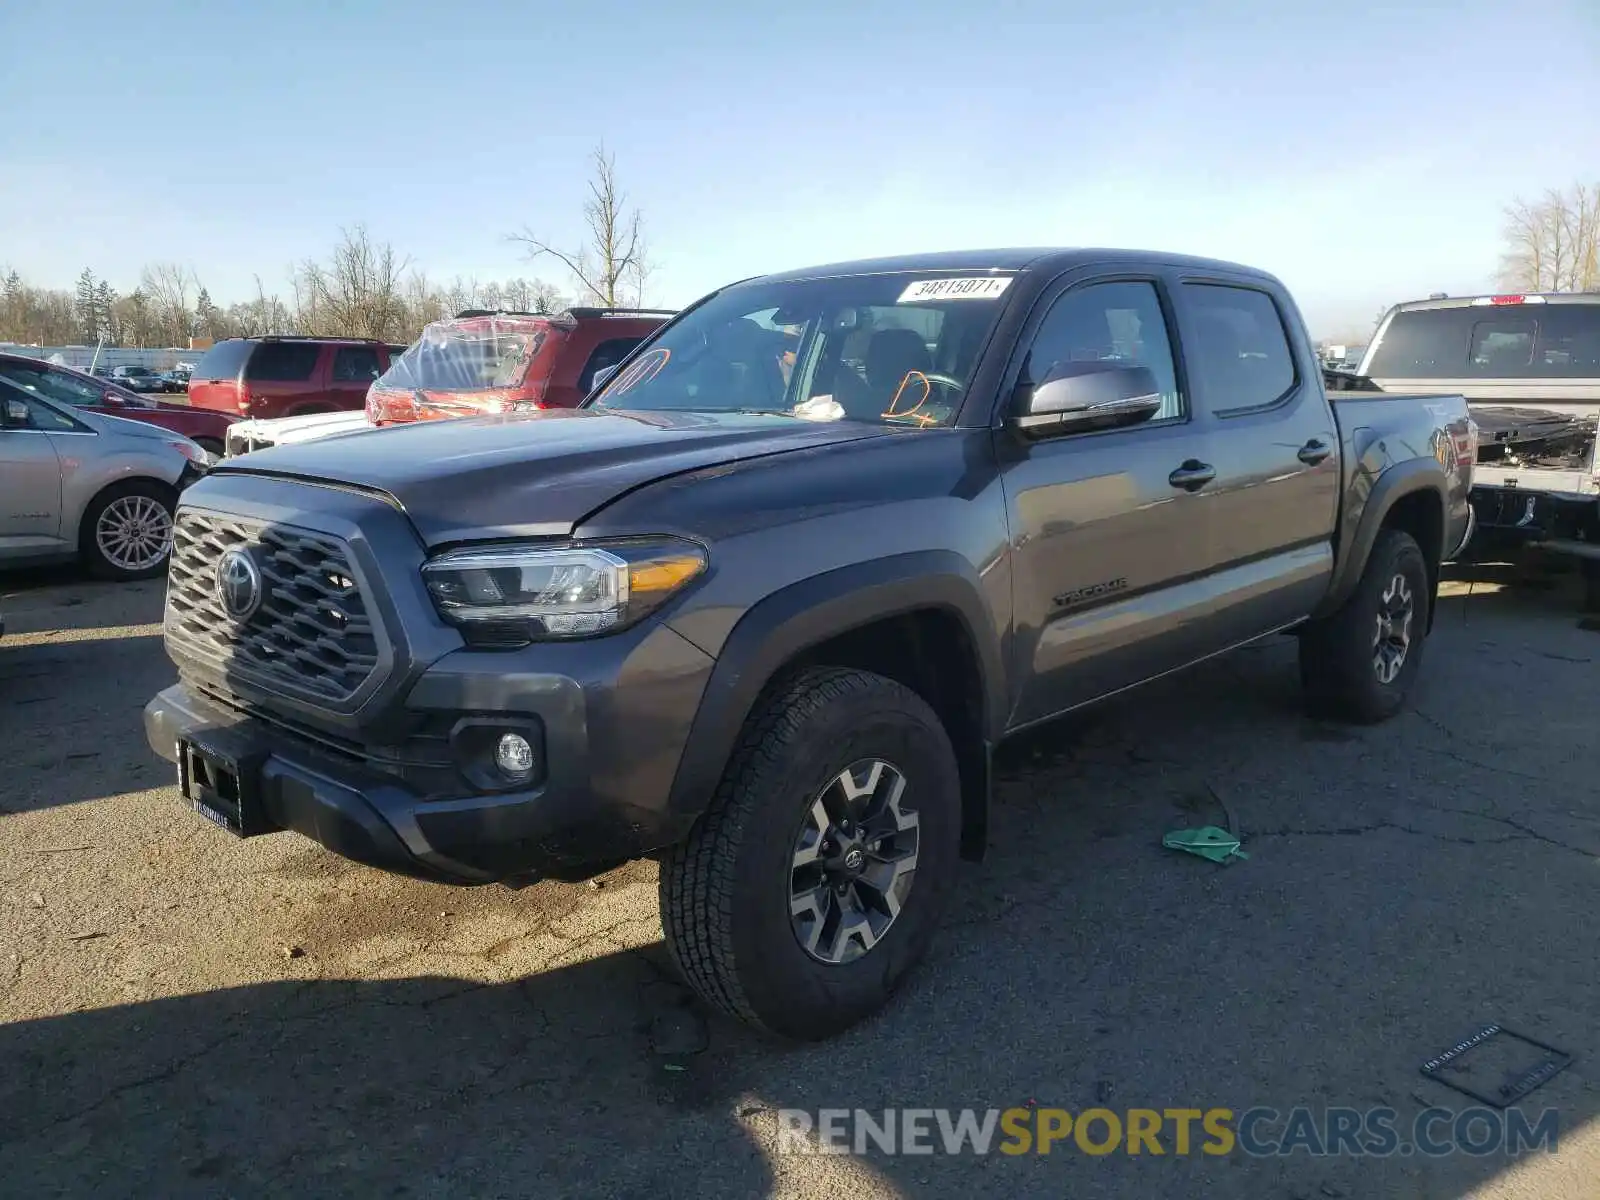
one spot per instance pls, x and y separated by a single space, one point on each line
1018 259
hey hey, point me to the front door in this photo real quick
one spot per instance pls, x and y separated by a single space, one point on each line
30 480
1109 545
354 369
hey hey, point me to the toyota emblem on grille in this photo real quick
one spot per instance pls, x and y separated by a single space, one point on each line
238 584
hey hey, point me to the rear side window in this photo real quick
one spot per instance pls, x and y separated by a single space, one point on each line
1239 350
355 364
1545 341
223 361
283 362
607 354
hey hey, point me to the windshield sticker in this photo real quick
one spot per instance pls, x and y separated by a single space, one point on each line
980 287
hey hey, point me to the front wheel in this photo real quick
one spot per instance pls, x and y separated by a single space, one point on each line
814 880
127 531
1359 664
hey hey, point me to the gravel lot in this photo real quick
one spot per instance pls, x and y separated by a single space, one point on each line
185 1014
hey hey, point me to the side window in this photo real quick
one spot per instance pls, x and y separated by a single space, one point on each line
1239 351
282 362
1109 322
54 384
40 415
607 354
355 364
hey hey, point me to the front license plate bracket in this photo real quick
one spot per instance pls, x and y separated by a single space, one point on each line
223 785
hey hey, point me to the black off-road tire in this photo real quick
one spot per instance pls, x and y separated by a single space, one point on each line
1337 657
725 891
211 446
1590 570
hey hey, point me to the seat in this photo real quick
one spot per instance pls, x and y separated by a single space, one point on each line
892 354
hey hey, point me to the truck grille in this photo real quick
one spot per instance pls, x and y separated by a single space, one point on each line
310 635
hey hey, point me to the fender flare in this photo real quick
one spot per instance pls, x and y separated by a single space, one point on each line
1394 484
803 615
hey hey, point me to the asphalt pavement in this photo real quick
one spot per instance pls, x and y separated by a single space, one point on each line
185 1014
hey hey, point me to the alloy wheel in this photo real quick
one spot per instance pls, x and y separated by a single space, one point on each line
854 862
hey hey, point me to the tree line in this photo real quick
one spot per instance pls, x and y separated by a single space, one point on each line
364 288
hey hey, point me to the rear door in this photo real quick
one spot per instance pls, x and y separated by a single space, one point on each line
287 377
1109 554
1274 445
30 476
353 371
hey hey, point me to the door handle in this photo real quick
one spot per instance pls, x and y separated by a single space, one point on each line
1192 475
1314 452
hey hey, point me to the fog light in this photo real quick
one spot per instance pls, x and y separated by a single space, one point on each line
513 754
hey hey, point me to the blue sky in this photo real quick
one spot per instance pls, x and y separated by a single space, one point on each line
1363 153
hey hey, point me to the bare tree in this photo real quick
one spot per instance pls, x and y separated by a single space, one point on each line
357 293
1553 244
611 267
167 287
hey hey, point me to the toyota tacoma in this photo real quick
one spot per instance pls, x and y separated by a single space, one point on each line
764 605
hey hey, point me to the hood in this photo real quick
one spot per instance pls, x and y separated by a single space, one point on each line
127 427
534 474
283 430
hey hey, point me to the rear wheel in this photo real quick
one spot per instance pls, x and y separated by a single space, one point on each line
212 446
814 881
1590 569
127 530
1358 664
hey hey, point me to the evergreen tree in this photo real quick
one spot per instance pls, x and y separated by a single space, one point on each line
85 306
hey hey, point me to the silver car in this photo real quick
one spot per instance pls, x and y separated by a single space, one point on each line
77 484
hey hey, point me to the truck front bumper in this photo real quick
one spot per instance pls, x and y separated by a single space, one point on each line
442 816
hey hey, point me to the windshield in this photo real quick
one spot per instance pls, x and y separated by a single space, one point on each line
80 391
473 355
1521 341
895 348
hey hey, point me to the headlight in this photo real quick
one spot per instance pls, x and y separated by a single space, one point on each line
512 594
190 450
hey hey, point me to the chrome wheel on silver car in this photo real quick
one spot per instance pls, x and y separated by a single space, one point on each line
127 531
854 862
1392 639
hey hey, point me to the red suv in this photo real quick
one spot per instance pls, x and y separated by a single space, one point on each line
493 362
288 376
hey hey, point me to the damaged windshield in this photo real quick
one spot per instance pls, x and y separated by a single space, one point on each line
897 347
471 355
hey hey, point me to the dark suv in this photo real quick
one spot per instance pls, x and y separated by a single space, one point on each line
288 376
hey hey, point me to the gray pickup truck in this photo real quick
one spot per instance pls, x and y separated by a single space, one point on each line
764 606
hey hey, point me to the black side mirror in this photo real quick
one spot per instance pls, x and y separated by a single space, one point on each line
16 415
1080 396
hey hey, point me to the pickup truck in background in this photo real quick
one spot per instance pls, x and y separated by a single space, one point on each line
1529 366
765 604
